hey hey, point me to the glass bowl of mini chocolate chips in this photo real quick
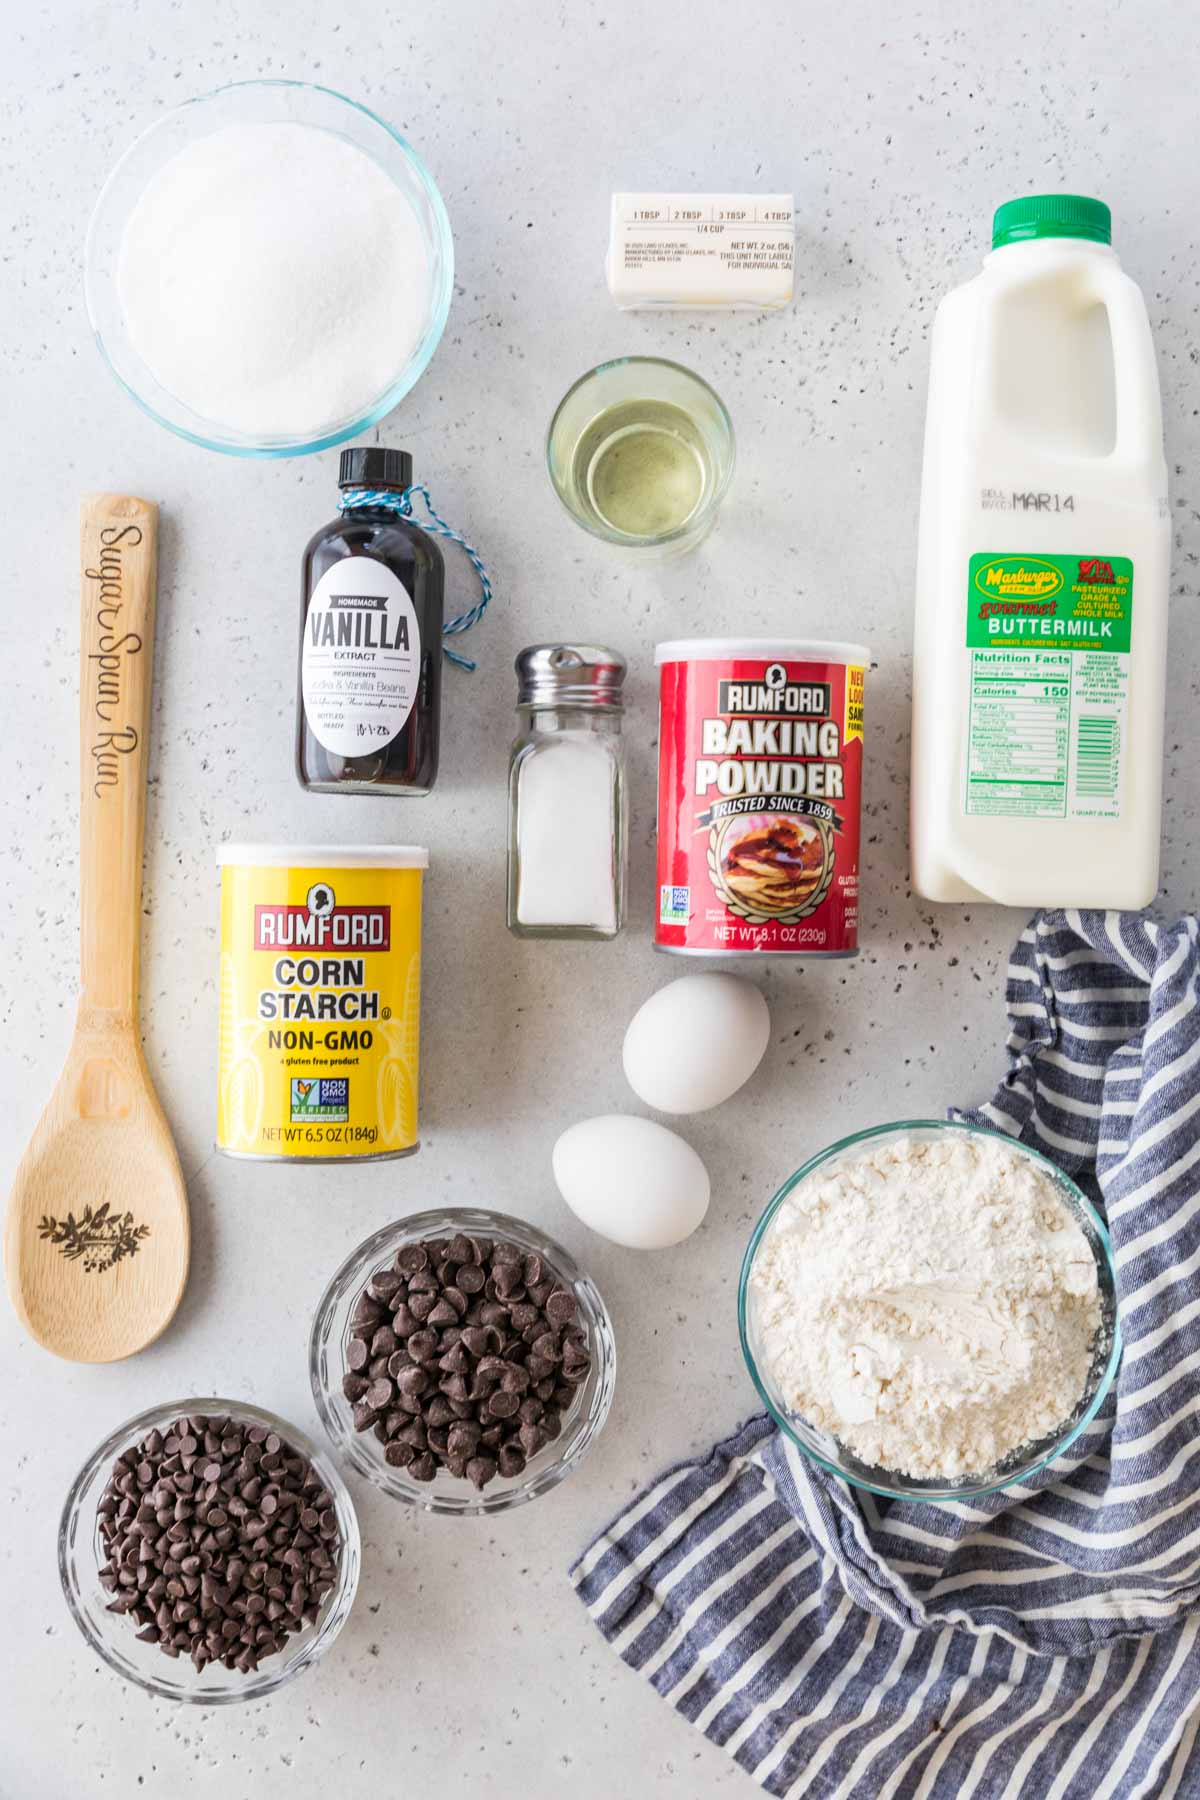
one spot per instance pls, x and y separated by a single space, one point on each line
462 1361
208 1551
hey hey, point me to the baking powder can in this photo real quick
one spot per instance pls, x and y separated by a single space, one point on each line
320 1000
759 796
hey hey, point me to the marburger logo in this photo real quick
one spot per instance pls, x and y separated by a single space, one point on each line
112 741
1018 578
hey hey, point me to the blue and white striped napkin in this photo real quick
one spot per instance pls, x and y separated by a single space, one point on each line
1039 1642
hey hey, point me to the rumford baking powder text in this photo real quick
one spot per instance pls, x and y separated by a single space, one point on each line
756 755
110 745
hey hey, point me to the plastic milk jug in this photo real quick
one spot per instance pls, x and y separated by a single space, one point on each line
1042 577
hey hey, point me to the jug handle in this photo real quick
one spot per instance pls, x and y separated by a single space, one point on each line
1139 414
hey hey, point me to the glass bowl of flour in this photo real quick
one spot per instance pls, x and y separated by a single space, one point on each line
928 1309
269 269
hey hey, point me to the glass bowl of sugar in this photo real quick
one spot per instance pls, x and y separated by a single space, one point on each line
268 269
928 1310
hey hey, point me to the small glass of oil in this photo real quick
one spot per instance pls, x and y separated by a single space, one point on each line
640 452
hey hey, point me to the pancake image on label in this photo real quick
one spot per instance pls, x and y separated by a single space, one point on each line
772 863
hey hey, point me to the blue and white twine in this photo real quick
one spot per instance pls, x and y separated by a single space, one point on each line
392 501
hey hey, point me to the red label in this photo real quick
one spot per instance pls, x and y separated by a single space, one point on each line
313 928
759 793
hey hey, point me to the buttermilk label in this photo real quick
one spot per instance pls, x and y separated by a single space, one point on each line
1049 645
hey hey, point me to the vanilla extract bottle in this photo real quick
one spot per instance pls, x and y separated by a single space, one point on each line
368 713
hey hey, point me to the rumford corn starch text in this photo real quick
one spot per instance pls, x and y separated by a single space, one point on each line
320 1001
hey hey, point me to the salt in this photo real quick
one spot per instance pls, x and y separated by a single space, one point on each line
273 279
566 833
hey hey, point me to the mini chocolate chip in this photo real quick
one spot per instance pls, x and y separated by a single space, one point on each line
511 1461
423 1346
412 1258
423 1468
381 1393
561 1307
399 1455
503 1405
383 1285
532 1439
471 1279
357 1354
481 1470
403 1321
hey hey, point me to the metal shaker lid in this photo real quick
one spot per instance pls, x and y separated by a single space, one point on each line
570 675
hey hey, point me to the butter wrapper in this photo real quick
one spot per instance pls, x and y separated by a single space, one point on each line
734 251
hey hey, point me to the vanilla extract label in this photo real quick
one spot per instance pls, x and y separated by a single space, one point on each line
361 660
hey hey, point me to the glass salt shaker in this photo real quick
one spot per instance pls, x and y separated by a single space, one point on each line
566 794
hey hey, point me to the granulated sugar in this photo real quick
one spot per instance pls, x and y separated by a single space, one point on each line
932 1303
273 279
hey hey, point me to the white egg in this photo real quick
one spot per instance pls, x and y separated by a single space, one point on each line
695 1042
631 1180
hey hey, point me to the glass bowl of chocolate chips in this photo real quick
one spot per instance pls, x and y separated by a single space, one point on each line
462 1361
208 1551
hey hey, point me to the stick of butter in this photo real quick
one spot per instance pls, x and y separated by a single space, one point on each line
681 250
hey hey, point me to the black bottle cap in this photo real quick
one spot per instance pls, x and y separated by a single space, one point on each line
373 467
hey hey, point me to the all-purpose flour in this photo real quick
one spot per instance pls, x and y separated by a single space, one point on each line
932 1303
273 279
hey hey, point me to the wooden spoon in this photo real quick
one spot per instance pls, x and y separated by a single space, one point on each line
96 1240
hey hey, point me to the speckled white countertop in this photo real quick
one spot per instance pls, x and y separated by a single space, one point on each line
468 1666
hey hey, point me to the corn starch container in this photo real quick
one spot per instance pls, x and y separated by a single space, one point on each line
320 1001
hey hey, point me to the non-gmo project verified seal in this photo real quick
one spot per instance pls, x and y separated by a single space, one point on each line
674 905
320 1097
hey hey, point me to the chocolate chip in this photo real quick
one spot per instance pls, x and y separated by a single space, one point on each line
472 1374
178 1567
481 1470
561 1307
511 1461
383 1284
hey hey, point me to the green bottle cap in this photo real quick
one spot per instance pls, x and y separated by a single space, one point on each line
1051 215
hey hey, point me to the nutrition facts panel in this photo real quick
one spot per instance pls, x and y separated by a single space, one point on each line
1044 733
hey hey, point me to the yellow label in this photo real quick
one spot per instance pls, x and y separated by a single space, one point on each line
320 1011
1018 578
855 684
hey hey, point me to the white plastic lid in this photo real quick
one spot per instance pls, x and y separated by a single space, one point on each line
770 649
323 856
